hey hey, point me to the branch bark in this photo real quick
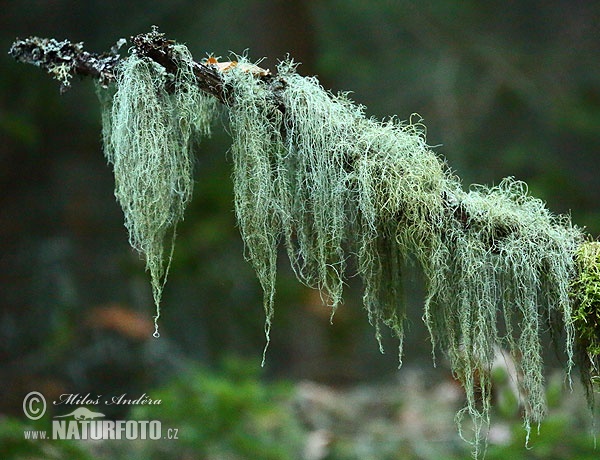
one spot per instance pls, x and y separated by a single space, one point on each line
64 59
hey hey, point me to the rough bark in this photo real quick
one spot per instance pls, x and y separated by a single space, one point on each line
65 59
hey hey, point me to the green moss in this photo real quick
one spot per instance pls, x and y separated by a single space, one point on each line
586 313
147 138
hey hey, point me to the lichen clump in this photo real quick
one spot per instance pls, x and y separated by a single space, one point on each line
148 135
316 176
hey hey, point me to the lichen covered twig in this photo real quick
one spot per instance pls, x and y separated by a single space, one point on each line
585 293
65 59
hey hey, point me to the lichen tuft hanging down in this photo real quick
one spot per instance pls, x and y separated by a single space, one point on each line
318 177
148 135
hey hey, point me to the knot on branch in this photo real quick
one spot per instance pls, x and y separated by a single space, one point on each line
153 40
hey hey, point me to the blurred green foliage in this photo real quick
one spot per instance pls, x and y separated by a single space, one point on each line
231 413
14 446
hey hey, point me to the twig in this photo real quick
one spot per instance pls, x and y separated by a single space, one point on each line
64 59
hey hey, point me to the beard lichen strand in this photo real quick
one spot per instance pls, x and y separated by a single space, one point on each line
398 185
147 136
319 134
326 182
258 191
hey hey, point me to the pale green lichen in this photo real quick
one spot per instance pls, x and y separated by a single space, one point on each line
326 182
257 187
506 253
312 174
148 133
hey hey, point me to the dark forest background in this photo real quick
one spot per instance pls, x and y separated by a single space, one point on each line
504 88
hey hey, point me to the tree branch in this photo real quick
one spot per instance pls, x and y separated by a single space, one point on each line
64 59
155 46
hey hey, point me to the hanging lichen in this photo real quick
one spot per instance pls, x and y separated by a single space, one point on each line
312 174
317 176
148 133
510 255
256 141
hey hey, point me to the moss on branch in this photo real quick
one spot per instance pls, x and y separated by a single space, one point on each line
585 292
